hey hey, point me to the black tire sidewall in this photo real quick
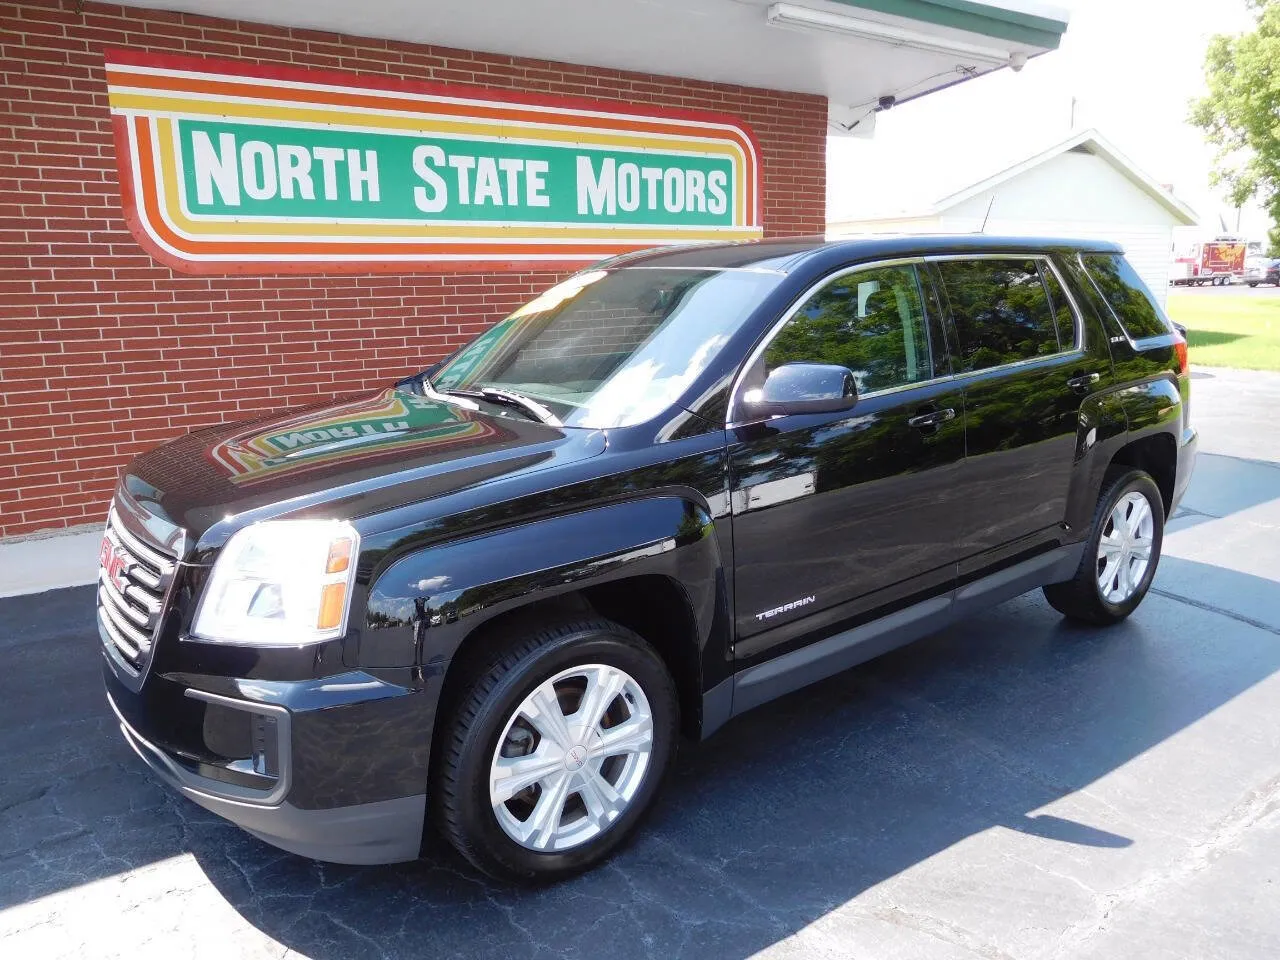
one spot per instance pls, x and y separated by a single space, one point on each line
502 856
1135 481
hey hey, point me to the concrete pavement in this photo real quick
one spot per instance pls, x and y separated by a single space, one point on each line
1011 788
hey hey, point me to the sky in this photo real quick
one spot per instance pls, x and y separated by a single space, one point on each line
1131 65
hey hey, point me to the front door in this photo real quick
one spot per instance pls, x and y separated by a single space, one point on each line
838 514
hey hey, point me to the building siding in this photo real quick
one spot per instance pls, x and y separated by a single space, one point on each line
105 353
1149 248
1073 195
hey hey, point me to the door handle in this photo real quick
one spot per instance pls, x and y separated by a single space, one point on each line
1082 383
932 418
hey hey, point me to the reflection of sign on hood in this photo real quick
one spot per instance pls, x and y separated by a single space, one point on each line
353 431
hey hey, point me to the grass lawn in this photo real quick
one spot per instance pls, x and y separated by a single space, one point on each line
1230 330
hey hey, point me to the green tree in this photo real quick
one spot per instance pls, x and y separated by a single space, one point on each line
1273 242
1238 114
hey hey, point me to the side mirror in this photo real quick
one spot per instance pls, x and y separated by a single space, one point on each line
803 388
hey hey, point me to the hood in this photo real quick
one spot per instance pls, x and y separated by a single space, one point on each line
350 458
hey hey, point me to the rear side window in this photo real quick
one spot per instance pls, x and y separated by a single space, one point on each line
1127 295
1001 310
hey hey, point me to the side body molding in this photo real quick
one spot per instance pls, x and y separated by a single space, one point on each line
847 647
422 606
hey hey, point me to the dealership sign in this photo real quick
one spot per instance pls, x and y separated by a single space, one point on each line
228 167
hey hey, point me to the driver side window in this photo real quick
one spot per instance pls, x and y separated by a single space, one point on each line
871 321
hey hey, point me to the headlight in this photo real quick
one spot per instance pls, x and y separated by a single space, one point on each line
281 582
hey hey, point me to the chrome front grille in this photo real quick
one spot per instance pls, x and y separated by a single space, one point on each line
133 582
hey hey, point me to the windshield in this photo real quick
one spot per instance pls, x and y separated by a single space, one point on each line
610 348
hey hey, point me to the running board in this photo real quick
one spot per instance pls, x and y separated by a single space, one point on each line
840 651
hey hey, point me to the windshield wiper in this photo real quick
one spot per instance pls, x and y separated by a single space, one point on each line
527 404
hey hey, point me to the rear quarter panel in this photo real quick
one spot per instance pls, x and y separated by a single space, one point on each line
1148 396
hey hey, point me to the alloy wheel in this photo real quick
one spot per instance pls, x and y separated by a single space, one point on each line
571 758
1124 550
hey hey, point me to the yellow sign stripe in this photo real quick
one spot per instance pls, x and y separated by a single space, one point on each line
417 124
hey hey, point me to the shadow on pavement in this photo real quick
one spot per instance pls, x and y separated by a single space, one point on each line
1228 484
785 814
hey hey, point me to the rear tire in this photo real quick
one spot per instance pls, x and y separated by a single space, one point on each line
1128 529
533 782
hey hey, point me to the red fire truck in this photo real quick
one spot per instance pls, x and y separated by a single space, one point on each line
1218 261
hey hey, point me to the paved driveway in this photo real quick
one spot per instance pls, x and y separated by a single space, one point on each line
1011 788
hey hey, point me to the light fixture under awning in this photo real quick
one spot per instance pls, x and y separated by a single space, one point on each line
809 18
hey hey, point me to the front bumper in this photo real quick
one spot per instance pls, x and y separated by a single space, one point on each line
333 769
384 831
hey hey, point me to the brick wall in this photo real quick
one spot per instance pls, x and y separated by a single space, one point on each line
104 352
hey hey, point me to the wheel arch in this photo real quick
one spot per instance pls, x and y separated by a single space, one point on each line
1156 454
1136 426
651 564
654 606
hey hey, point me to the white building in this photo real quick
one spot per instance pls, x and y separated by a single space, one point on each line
1081 187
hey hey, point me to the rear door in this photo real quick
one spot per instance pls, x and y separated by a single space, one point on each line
837 514
1027 367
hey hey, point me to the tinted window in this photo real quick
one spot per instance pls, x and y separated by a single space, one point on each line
1066 320
870 321
1001 310
1127 295
609 348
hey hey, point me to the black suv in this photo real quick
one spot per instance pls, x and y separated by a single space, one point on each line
669 489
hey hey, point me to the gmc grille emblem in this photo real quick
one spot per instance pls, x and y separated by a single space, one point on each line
114 564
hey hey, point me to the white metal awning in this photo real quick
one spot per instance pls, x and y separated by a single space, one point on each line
854 52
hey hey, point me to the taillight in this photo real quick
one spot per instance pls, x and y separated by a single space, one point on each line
1180 348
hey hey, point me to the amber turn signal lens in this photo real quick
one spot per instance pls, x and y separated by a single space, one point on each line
331 599
339 556
1180 348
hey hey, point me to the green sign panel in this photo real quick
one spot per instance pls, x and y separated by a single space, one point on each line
236 170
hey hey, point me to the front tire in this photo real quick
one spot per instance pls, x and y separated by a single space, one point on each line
555 751
1121 555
